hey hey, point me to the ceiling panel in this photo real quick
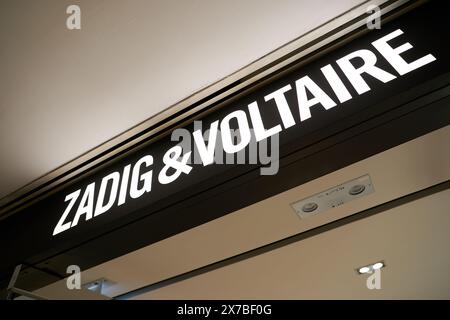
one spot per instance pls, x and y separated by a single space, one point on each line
412 239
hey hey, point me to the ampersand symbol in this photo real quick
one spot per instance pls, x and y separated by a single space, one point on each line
170 160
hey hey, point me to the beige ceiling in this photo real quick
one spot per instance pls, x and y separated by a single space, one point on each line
412 239
65 92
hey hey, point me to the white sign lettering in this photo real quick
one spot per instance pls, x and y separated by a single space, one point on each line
113 187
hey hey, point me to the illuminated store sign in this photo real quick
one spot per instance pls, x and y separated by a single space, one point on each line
138 179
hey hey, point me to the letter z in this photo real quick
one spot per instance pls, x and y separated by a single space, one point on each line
61 226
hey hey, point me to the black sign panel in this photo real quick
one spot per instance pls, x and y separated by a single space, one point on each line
328 96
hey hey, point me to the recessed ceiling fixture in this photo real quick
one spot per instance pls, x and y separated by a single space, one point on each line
333 197
371 267
356 189
98 286
309 207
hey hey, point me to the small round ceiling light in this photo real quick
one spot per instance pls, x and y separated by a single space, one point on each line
378 265
310 207
357 189
364 270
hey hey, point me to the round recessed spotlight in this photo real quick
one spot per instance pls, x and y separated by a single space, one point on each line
357 189
378 265
364 270
310 207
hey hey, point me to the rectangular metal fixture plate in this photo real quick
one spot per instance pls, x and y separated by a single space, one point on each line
333 197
